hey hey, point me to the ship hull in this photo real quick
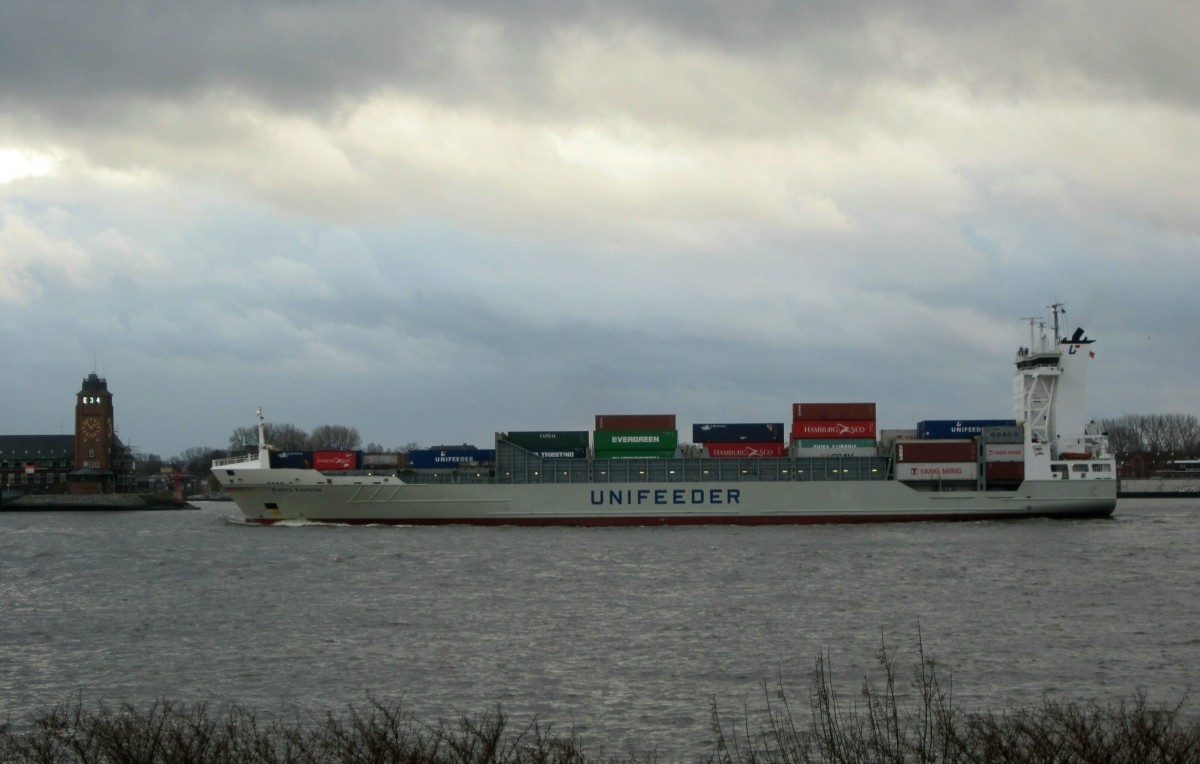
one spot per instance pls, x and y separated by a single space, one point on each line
295 495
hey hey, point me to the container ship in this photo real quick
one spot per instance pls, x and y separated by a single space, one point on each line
831 465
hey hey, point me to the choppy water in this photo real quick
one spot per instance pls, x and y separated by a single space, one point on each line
627 634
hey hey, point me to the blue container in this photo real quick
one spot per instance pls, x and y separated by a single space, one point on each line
291 460
449 458
958 429
738 433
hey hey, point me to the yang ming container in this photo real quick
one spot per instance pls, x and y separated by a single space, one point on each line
635 421
833 411
937 471
738 433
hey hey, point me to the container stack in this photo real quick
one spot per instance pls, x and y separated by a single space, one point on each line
743 440
958 429
833 429
1003 454
636 436
552 444
936 460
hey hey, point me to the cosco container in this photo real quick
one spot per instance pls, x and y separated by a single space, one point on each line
335 460
635 421
803 429
744 450
550 440
944 429
937 471
1003 435
449 458
921 451
833 411
636 440
738 433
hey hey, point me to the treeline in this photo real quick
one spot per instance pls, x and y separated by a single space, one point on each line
1158 439
884 721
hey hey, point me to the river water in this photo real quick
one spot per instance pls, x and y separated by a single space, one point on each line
625 634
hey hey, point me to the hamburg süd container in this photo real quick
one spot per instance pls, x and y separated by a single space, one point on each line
335 460
805 429
948 429
738 433
835 411
635 421
935 451
744 450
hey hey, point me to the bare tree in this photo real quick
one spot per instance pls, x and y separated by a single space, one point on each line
285 437
334 437
1160 438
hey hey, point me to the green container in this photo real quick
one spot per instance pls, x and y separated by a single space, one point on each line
642 454
636 440
834 442
549 440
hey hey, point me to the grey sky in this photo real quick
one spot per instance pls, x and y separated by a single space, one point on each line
431 221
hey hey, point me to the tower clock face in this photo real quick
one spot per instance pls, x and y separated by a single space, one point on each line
91 427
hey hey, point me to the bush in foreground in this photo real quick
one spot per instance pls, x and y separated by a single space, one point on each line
881 724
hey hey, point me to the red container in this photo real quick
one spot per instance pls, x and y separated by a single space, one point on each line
745 450
823 429
935 451
1004 472
335 460
635 421
833 411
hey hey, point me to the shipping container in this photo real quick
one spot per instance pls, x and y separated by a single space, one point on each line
1004 472
930 451
384 460
947 429
635 440
291 460
831 453
1003 435
647 453
1003 452
449 458
937 471
888 437
744 450
562 453
738 433
635 421
335 460
549 440
833 443
833 411
803 429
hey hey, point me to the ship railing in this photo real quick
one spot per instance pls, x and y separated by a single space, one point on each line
235 460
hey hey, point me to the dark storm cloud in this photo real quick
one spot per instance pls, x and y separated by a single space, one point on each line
63 57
